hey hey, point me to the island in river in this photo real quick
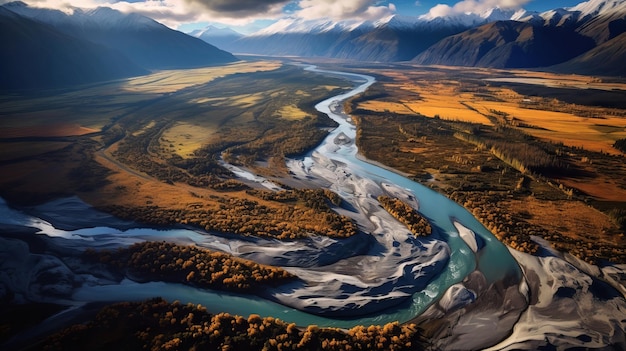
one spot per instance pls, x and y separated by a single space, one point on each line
354 263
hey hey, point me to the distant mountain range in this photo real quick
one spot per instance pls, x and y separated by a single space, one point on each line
49 48
582 39
45 48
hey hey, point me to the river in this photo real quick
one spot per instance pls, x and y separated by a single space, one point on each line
391 276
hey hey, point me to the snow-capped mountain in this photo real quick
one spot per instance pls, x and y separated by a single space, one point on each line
143 40
103 17
448 39
317 26
218 37
213 31
587 34
473 19
577 15
393 38
598 7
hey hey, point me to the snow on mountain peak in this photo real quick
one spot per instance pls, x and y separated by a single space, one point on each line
213 31
470 19
397 21
497 14
101 16
597 7
108 17
299 25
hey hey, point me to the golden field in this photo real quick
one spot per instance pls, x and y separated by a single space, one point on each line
431 92
466 135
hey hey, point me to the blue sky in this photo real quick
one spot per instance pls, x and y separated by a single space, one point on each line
250 15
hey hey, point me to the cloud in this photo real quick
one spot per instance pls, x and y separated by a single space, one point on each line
239 8
474 6
174 13
344 9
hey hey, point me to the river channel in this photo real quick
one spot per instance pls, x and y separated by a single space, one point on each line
428 266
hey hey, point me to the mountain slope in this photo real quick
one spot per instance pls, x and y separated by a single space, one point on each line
35 56
606 59
605 26
388 44
507 44
143 40
387 40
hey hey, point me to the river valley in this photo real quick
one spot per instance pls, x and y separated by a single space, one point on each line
461 275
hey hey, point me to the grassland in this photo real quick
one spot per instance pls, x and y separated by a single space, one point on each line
523 164
457 95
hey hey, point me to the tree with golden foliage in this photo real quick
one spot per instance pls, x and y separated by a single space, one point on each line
404 213
186 264
158 325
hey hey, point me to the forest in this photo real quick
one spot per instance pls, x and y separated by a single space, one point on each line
403 212
158 325
289 214
203 268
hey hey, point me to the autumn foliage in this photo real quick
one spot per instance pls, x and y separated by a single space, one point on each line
158 325
191 265
288 214
403 212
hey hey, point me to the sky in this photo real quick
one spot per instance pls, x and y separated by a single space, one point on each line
248 16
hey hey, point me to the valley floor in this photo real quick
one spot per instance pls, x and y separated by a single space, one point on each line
157 157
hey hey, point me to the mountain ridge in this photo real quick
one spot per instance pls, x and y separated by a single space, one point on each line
143 40
37 56
507 44
550 38
527 40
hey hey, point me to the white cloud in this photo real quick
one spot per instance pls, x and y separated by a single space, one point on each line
474 6
345 9
174 13
440 10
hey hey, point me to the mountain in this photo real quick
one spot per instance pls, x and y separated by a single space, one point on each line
593 8
35 56
507 44
141 39
605 25
394 38
389 43
218 37
469 20
606 59
541 40
494 38
298 37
